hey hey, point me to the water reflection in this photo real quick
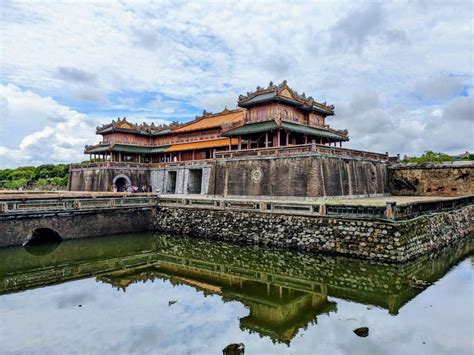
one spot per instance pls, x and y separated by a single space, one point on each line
283 291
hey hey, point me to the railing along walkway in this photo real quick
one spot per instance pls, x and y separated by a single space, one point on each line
390 210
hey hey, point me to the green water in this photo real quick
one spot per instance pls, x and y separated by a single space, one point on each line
145 293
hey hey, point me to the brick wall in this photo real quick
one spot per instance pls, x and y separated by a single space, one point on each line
309 175
444 179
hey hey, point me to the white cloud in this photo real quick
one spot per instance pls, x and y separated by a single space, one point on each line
386 66
43 140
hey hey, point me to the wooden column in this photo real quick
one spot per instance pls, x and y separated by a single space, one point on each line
278 137
194 155
139 158
266 139
287 138
249 142
305 139
179 156
240 143
340 144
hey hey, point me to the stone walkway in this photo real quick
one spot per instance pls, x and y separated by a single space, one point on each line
356 201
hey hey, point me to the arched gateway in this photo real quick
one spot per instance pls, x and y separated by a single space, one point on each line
121 182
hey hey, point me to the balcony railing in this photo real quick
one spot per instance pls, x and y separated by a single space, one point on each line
302 148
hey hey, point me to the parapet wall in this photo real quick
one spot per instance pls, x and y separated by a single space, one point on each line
441 179
375 240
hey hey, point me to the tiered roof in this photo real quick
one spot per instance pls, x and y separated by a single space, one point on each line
284 93
208 120
290 126
122 125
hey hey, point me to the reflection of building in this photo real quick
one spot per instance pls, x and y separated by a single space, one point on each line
284 291
276 308
269 117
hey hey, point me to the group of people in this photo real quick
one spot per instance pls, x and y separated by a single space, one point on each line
133 189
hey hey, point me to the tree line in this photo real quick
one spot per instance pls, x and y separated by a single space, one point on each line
43 177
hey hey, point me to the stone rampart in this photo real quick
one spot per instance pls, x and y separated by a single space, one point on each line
100 177
376 240
435 179
304 175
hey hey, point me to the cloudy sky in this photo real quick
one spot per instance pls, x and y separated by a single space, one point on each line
399 73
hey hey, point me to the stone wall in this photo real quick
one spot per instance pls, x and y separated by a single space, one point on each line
187 179
305 175
375 240
15 230
101 178
442 179
299 175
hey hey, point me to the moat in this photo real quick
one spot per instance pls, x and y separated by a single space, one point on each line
150 293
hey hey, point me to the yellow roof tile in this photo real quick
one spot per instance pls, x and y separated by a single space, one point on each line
221 142
212 121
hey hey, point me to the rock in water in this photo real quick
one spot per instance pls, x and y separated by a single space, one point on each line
362 332
234 349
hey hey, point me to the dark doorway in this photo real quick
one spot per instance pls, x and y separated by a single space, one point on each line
195 181
171 184
121 184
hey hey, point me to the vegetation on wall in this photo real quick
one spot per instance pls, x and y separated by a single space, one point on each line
43 177
436 157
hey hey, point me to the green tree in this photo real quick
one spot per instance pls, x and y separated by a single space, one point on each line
431 157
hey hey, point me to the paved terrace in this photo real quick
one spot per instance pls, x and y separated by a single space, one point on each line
379 207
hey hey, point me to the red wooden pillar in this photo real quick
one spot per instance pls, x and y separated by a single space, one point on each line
240 143
305 139
278 138
249 142
266 139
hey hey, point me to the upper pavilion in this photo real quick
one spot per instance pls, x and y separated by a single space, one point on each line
269 117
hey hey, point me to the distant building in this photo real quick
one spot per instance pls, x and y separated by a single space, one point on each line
270 117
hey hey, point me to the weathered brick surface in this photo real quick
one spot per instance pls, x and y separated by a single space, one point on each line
15 230
101 179
446 179
304 176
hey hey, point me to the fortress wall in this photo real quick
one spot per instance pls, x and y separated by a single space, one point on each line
309 175
101 178
441 179
374 240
